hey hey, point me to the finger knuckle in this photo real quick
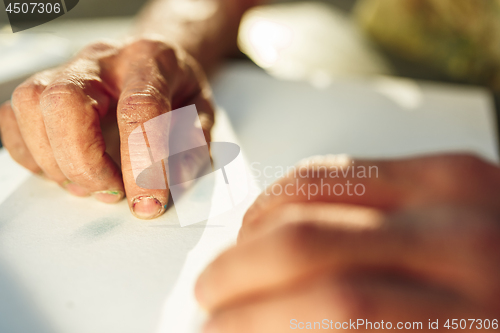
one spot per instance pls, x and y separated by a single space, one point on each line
61 89
170 54
60 92
152 46
479 231
98 49
348 291
149 95
296 239
29 91
168 57
460 163
131 102
447 171
145 43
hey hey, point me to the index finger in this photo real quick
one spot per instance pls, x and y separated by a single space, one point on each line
150 91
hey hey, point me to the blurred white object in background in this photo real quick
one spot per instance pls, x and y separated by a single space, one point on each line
52 43
307 41
21 54
49 45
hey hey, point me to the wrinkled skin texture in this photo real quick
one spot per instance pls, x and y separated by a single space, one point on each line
71 123
422 243
53 124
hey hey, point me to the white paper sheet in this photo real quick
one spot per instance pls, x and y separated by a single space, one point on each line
75 265
281 122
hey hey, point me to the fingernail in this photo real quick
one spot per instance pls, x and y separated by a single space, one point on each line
41 174
75 189
147 207
109 196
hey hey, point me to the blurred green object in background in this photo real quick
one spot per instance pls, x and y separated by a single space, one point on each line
458 38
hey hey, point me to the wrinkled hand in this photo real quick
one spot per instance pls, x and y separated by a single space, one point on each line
422 243
56 122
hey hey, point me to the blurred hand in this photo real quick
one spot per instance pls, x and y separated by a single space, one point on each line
54 123
385 186
422 243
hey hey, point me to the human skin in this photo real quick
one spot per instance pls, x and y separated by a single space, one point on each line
55 123
422 243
